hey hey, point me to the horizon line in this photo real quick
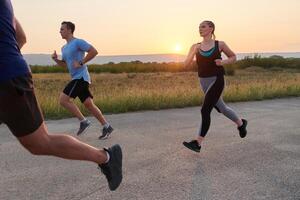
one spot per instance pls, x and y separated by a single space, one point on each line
178 54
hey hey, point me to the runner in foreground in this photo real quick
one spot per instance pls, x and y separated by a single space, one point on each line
20 111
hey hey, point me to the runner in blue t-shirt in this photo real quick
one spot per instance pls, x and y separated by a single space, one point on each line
73 57
20 111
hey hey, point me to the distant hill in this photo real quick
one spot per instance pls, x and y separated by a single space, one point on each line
45 59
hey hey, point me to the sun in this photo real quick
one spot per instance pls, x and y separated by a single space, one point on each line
177 48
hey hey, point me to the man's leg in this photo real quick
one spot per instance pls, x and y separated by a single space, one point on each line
107 128
89 104
20 111
64 146
65 101
41 143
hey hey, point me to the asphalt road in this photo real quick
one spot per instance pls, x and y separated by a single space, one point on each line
264 165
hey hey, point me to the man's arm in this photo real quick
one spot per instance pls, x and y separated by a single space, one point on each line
58 62
20 34
91 53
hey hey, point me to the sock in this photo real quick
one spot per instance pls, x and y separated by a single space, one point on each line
242 124
108 157
84 119
106 125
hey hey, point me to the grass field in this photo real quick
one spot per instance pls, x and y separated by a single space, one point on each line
115 93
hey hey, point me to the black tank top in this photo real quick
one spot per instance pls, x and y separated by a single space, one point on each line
206 64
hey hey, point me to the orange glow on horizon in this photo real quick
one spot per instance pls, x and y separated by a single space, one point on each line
133 28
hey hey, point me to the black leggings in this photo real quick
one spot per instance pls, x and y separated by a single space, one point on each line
211 98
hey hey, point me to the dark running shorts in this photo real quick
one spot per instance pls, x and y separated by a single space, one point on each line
78 88
19 109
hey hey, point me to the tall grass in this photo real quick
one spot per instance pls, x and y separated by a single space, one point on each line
115 93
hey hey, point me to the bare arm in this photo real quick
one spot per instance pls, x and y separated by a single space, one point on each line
20 34
231 57
58 62
91 53
190 56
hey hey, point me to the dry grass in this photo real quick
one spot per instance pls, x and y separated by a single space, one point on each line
115 93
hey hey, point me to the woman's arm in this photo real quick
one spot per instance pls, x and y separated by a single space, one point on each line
190 56
231 57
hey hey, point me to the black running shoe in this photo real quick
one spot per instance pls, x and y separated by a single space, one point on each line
83 126
192 145
242 129
106 132
113 169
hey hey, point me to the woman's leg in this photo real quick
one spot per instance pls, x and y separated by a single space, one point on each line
211 98
213 88
228 112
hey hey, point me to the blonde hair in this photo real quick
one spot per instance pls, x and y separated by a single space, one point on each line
212 25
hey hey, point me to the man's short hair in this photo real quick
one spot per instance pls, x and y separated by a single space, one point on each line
69 25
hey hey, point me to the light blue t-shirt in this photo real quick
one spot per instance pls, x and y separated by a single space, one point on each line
75 51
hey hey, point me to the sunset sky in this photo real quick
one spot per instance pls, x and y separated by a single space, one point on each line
125 27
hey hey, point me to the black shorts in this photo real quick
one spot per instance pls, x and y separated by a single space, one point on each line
19 109
78 88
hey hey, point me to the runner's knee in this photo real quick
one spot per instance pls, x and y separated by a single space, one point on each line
63 101
89 105
38 147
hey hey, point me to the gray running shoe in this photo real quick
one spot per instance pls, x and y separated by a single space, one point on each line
106 132
83 126
113 169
